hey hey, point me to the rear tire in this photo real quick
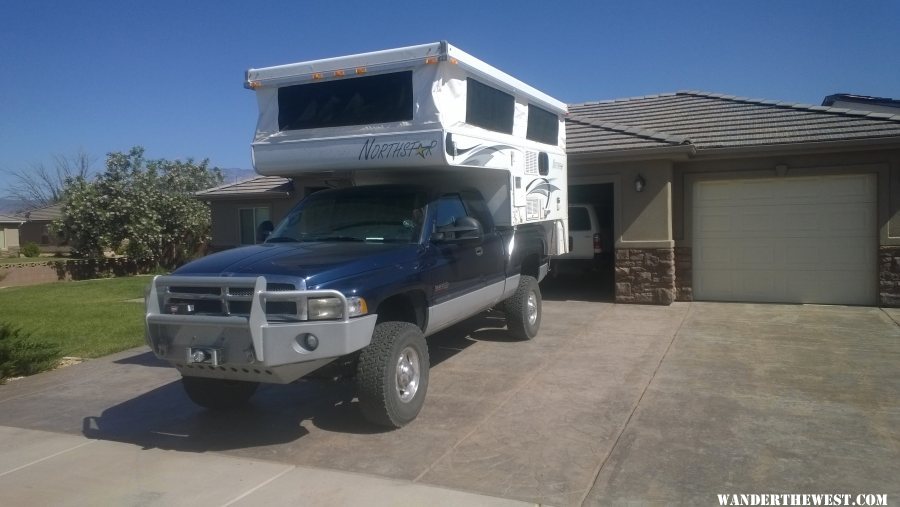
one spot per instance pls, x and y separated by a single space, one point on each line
523 309
392 374
218 394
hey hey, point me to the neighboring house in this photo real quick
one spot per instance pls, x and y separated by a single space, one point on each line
740 199
863 102
744 199
239 209
9 233
36 227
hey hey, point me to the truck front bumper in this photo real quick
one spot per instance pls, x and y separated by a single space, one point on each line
247 347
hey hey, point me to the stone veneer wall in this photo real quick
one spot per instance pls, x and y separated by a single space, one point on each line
889 276
645 275
684 275
45 271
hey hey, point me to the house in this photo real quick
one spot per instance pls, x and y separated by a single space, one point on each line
36 227
724 198
9 233
708 196
238 209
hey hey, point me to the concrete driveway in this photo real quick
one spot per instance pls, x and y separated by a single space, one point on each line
610 404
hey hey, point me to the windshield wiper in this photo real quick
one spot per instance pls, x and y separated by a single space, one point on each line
334 238
281 239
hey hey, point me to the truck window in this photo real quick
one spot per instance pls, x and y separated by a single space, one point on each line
488 107
543 126
449 208
383 98
579 219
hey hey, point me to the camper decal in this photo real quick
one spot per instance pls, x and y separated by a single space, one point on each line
373 150
481 155
542 187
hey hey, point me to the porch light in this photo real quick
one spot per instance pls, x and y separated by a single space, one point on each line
639 184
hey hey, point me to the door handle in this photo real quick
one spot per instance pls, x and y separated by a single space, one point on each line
479 250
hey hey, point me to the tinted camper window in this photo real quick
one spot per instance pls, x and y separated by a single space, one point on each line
543 126
365 100
488 107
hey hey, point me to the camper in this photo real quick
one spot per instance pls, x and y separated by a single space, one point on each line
457 199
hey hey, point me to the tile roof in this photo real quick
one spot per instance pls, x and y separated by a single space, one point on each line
267 186
710 120
51 212
6 219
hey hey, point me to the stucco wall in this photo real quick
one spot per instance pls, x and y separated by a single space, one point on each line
641 219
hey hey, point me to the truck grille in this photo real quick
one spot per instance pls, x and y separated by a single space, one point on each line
230 301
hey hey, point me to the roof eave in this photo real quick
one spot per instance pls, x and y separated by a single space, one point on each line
243 196
681 152
888 143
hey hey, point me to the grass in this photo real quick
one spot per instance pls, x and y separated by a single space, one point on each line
89 318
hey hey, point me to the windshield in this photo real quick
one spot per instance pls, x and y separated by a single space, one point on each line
383 215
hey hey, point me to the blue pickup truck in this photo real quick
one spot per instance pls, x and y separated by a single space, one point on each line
362 273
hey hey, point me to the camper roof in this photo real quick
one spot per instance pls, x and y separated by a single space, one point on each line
395 59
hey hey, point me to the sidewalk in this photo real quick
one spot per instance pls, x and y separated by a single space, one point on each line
43 468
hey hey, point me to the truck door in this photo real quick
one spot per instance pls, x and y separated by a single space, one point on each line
457 269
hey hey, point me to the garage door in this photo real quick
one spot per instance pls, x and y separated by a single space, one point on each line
793 240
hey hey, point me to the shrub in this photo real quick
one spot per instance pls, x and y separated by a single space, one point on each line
20 355
30 250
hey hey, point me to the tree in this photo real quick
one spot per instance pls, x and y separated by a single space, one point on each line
41 186
144 209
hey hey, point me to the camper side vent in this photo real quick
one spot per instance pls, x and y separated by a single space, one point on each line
531 162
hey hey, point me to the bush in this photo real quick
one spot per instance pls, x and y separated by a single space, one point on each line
30 250
20 355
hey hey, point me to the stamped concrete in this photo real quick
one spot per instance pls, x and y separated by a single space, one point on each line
610 404
765 398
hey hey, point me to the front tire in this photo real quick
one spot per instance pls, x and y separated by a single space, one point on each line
523 309
392 374
218 394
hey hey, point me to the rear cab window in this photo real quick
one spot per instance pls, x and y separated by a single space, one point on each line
579 220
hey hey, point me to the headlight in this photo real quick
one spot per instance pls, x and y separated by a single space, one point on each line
332 308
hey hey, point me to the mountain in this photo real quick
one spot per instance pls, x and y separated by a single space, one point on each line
9 206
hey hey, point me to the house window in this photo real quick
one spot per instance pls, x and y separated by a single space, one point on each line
488 107
250 220
384 98
543 126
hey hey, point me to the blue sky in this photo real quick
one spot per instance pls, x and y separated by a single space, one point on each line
106 75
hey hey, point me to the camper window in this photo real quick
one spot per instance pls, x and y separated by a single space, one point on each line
488 107
543 126
383 98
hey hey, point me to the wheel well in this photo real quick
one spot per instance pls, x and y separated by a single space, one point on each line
405 307
531 266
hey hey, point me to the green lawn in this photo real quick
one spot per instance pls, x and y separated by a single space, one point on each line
90 318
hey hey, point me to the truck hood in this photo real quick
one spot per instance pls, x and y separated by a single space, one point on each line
317 262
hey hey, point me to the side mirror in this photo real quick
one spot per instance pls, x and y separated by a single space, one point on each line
465 230
263 231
